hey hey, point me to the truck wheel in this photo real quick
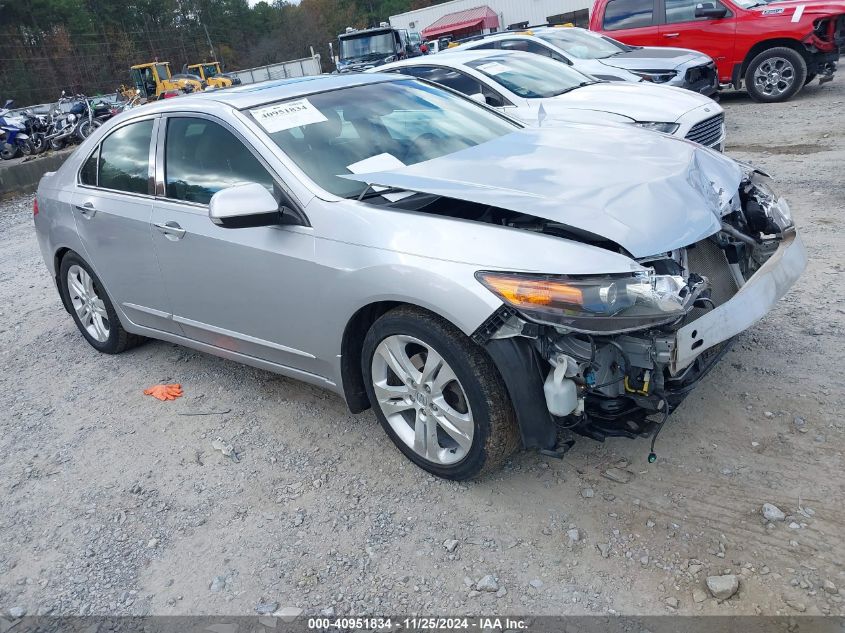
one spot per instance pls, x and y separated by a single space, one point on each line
775 75
438 395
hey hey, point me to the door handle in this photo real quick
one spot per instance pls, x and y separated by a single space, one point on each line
171 230
86 209
671 34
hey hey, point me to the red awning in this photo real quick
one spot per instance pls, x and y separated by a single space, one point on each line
478 18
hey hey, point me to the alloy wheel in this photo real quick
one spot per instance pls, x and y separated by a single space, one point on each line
89 307
774 76
422 399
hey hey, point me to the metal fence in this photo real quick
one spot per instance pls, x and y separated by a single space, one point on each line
294 68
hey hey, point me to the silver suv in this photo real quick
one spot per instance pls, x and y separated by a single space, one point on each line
477 283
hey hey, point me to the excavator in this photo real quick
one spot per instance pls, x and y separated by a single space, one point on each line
210 73
153 80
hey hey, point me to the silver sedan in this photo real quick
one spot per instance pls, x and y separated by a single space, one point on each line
477 283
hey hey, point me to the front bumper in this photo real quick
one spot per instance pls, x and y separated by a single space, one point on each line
750 304
697 77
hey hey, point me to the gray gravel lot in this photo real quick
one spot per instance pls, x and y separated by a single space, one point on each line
115 503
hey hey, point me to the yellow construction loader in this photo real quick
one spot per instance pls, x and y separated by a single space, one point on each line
154 81
210 73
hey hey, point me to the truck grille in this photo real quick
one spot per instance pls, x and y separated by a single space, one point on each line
708 131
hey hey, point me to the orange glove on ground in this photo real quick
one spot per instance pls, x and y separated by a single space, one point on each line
164 392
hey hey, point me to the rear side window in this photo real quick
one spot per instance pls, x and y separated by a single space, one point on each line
88 173
628 14
125 158
202 157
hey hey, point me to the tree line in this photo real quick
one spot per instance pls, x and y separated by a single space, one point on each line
87 46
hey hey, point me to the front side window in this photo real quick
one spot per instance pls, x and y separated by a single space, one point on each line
684 10
202 157
163 71
582 44
628 14
125 158
408 121
530 77
526 46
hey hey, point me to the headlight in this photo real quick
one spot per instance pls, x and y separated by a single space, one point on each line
657 77
658 126
760 189
595 304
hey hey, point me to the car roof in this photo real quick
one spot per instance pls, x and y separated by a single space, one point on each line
526 32
252 95
454 58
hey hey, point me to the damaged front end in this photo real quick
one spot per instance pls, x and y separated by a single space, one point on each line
613 355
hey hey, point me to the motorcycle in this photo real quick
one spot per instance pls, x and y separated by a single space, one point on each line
64 125
16 140
36 126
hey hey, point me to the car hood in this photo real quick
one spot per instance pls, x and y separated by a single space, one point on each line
654 58
640 102
822 7
645 191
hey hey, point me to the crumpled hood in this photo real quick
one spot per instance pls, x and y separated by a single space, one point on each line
654 58
645 191
640 101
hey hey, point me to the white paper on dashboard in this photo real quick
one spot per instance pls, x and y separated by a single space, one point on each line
380 162
287 115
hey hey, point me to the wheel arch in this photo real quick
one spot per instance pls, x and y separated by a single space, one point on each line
759 47
57 267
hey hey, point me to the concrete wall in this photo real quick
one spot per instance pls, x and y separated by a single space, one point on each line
17 176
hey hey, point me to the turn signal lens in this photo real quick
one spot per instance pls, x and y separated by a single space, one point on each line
522 291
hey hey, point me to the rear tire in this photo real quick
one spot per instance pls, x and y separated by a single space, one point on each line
449 413
91 308
775 75
8 152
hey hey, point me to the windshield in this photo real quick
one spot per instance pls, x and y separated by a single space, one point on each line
581 44
379 44
530 76
748 4
209 69
163 71
392 124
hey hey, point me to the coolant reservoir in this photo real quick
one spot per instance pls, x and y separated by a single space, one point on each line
561 392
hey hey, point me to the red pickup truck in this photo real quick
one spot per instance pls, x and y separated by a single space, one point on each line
774 48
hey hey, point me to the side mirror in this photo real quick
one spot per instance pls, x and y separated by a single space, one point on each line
243 206
709 10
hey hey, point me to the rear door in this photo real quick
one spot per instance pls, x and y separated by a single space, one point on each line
112 204
634 22
240 290
711 36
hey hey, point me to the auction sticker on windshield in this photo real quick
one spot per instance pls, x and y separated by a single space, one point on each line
287 115
492 68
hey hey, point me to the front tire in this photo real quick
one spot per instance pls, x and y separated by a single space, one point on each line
437 395
8 152
91 308
776 74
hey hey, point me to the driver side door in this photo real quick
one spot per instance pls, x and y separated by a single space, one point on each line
241 290
711 36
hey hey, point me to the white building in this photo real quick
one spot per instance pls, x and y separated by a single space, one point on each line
464 18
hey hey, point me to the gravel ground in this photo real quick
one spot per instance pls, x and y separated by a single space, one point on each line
115 503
